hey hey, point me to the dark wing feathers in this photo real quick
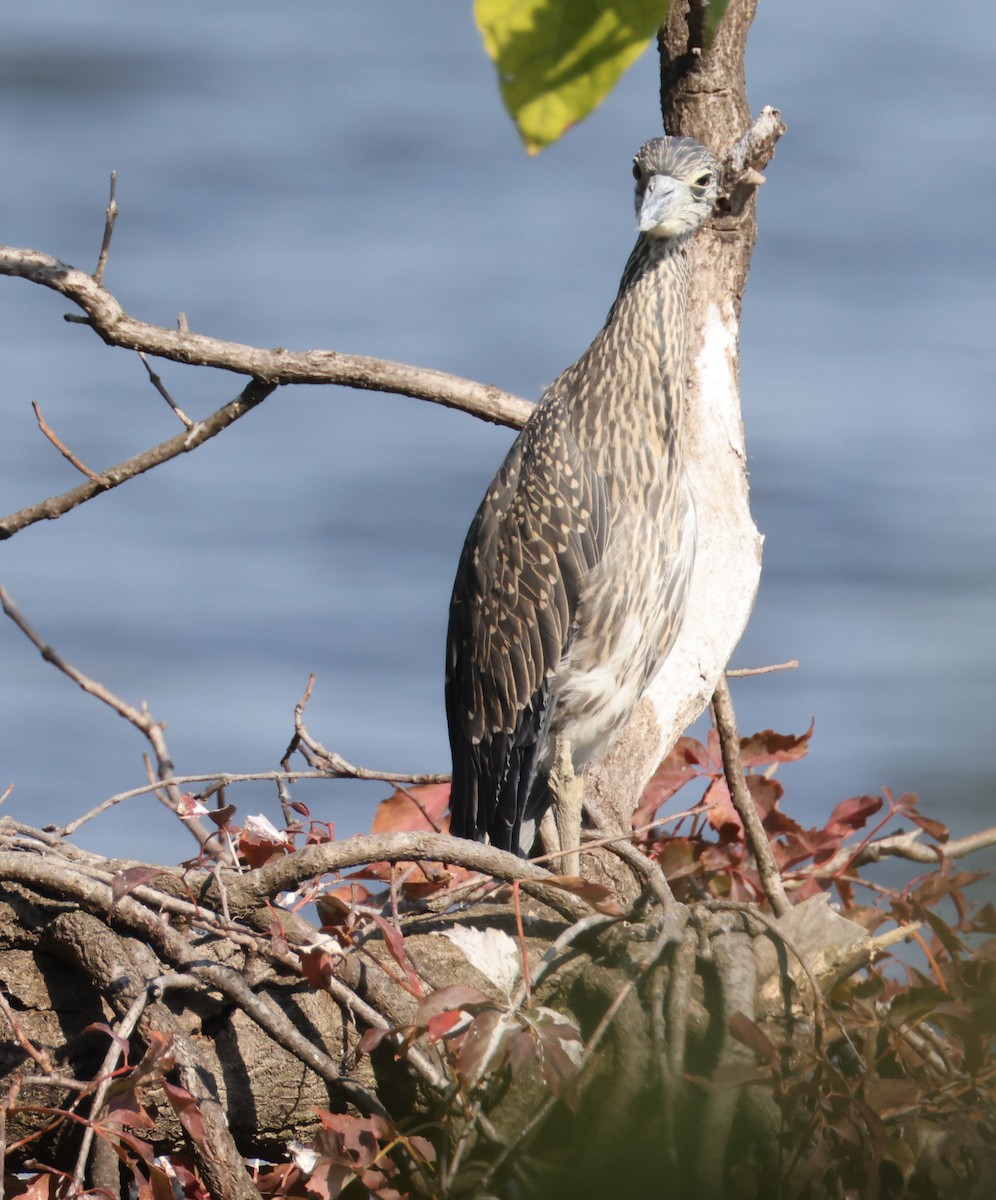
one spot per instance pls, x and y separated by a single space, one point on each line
540 529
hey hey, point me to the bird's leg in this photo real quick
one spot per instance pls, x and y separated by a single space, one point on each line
568 795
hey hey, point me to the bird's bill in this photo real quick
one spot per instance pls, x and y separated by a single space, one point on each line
660 205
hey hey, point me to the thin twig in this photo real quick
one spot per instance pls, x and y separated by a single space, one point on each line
757 839
743 672
333 765
160 387
426 815
56 506
140 718
105 1075
220 778
110 216
63 449
29 1048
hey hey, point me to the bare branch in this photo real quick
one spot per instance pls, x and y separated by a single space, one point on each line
285 874
48 510
744 672
908 846
331 764
112 324
141 718
223 779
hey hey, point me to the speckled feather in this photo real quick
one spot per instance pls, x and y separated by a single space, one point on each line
571 586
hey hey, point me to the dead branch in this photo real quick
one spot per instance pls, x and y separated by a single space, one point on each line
63 449
223 779
142 719
110 216
908 846
107 318
55 506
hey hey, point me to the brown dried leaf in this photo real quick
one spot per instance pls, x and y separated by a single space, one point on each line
597 895
767 747
414 809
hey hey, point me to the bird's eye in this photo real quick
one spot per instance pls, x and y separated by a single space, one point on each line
637 173
703 180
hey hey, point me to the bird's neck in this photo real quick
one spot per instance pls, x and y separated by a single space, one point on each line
637 360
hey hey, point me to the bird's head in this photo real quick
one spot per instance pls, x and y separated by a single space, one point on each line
677 181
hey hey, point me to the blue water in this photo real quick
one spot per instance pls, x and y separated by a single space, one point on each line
343 176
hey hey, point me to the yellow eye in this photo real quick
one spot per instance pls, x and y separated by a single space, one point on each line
703 180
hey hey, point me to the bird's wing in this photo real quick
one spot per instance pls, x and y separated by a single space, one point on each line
540 529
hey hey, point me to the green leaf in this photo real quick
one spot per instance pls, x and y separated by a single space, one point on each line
558 59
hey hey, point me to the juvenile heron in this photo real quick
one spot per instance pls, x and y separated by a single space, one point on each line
571 585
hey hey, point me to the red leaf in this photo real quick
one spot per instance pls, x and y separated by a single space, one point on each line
559 1071
679 857
125 1109
720 813
39 1188
316 967
422 1147
141 1149
127 880
851 815
766 747
450 999
395 942
443 1023
371 1039
221 816
558 1066
328 1179
520 1052
415 809
187 1109
936 829
476 1045
278 939
748 1034
260 842
100 1027
335 907
683 764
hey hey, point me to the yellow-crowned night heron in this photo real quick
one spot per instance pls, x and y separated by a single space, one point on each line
571 586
